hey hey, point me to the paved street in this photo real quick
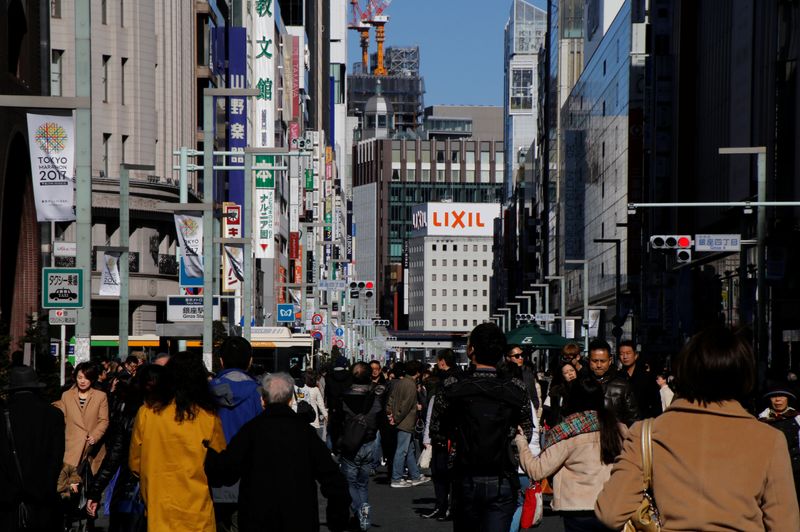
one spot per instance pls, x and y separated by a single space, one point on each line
400 509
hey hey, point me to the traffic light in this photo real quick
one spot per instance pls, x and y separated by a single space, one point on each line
368 289
681 243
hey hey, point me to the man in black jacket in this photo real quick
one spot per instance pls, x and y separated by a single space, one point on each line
356 445
642 381
280 459
38 433
480 415
618 393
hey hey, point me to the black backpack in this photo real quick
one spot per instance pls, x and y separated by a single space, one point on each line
485 415
356 427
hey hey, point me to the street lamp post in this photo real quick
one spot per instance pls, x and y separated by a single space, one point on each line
617 330
585 264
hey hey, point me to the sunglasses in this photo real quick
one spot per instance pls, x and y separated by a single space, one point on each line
515 355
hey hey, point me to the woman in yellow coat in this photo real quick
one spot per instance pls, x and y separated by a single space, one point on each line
167 450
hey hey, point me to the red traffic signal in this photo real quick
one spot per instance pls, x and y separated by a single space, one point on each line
684 241
369 285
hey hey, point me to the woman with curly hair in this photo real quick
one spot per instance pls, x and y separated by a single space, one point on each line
167 451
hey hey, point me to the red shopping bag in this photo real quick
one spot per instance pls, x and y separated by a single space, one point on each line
532 508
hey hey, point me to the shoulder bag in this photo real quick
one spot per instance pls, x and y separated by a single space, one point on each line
646 518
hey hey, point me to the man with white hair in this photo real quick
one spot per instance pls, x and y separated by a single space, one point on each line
280 459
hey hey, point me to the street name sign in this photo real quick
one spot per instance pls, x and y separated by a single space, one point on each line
326 284
188 308
63 317
62 288
718 243
541 316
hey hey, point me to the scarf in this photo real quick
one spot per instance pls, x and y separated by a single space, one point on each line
573 425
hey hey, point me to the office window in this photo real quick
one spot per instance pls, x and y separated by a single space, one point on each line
455 155
444 247
470 157
484 293
485 277
122 80
433 307
55 72
474 308
106 59
444 262
464 278
440 176
433 262
433 322
475 263
484 308
465 323
474 293
444 322
464 308
433 277
433 247
455 174
121 13
470 176
485 262
55 8
474 322
465 263
426 175
474 247
411 174
521 83
455 247
106 139
475 278
104 11
444 307
485 248
433 292
465 293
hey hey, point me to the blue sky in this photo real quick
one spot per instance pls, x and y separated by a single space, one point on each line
461 46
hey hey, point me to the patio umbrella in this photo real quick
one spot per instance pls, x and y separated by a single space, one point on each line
531 335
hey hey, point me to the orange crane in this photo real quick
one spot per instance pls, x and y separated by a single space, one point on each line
358 22
375 17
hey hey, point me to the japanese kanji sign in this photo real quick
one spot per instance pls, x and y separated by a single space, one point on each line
231 228
62 288
262 56
264 228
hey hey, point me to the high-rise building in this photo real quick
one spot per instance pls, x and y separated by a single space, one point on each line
524 36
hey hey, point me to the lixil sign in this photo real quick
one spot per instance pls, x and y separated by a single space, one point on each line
454 219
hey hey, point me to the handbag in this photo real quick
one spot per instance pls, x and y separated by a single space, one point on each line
532 507
646 518
425 457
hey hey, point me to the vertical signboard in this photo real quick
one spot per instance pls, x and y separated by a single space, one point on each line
282 280
263 54
231 228
264 228
349 228
237 113
52 150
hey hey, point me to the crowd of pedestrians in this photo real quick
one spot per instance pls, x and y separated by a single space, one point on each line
166 445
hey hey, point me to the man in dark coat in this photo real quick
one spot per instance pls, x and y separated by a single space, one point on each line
619 396
641 379
38 433
280 459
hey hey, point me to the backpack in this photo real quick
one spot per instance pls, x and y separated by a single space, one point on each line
355 428
304 409
485 419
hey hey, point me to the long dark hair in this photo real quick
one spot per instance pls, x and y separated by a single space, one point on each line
587 394
188 383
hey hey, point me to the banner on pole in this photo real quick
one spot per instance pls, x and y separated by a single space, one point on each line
109 279
235 257
52 148
231 228
190 239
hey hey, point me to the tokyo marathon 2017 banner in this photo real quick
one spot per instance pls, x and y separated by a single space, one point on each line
52 148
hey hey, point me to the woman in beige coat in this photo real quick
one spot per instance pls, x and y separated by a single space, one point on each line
579 451
715 467
85 415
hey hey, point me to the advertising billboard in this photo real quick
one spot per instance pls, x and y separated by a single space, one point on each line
454 219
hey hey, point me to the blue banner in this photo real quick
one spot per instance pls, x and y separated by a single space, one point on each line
237 115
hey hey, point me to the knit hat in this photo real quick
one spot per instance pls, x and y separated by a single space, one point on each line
775 390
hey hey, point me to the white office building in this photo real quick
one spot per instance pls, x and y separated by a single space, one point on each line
450 265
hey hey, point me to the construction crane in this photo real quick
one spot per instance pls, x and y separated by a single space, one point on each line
358 22
375 17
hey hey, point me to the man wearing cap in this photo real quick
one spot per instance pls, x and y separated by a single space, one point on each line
37 431
785 418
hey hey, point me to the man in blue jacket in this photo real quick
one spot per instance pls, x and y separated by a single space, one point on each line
239 401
